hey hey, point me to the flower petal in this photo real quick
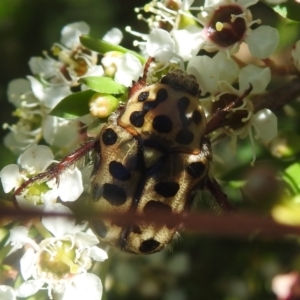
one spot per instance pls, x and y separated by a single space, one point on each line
160 45
227 68
18 236
98 254
258 77
265 123
29 288
113 36
7 292
10 177
70 185
263 41
84 286
129 68
36 159
17 92
188 41
71 32
207 80
58 225
27 263
86 239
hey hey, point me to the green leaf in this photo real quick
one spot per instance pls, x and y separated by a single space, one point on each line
104 85
289 10
292 177
73 106
102 47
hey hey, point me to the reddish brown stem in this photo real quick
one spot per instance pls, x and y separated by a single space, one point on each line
277 98
238 224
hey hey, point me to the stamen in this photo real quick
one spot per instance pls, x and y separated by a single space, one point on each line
234 17
252 146
135 33
73 267
219 26
258 21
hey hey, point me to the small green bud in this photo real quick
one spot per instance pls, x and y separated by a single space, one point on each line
286 144
103 105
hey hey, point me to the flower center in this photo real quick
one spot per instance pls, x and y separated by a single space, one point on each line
239 115
59 260
227 25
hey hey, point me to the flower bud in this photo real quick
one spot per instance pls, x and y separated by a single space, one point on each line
102 105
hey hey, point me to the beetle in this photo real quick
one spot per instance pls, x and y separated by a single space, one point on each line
150 157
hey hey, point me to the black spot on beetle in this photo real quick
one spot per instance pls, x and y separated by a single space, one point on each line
149 245
136 229
197 117
183 103
137 118
167 188
162 124
97 192
99 228
161 96
143 96
109 137
196 169
153 207
114 194
184 137
118 171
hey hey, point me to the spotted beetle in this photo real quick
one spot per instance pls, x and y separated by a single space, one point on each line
150 157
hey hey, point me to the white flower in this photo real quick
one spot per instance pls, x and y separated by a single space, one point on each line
217 69
34 101
243 120
129 68
265 124
73 61
258 77
113 36
227 23
26 131
33 161
83 286
188 41
260 46
160 45
60 263
70 34
50 95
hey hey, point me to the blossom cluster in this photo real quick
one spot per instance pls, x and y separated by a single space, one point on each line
207 45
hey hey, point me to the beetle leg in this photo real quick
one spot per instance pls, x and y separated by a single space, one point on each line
214 188
55 170
136 86
219 117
